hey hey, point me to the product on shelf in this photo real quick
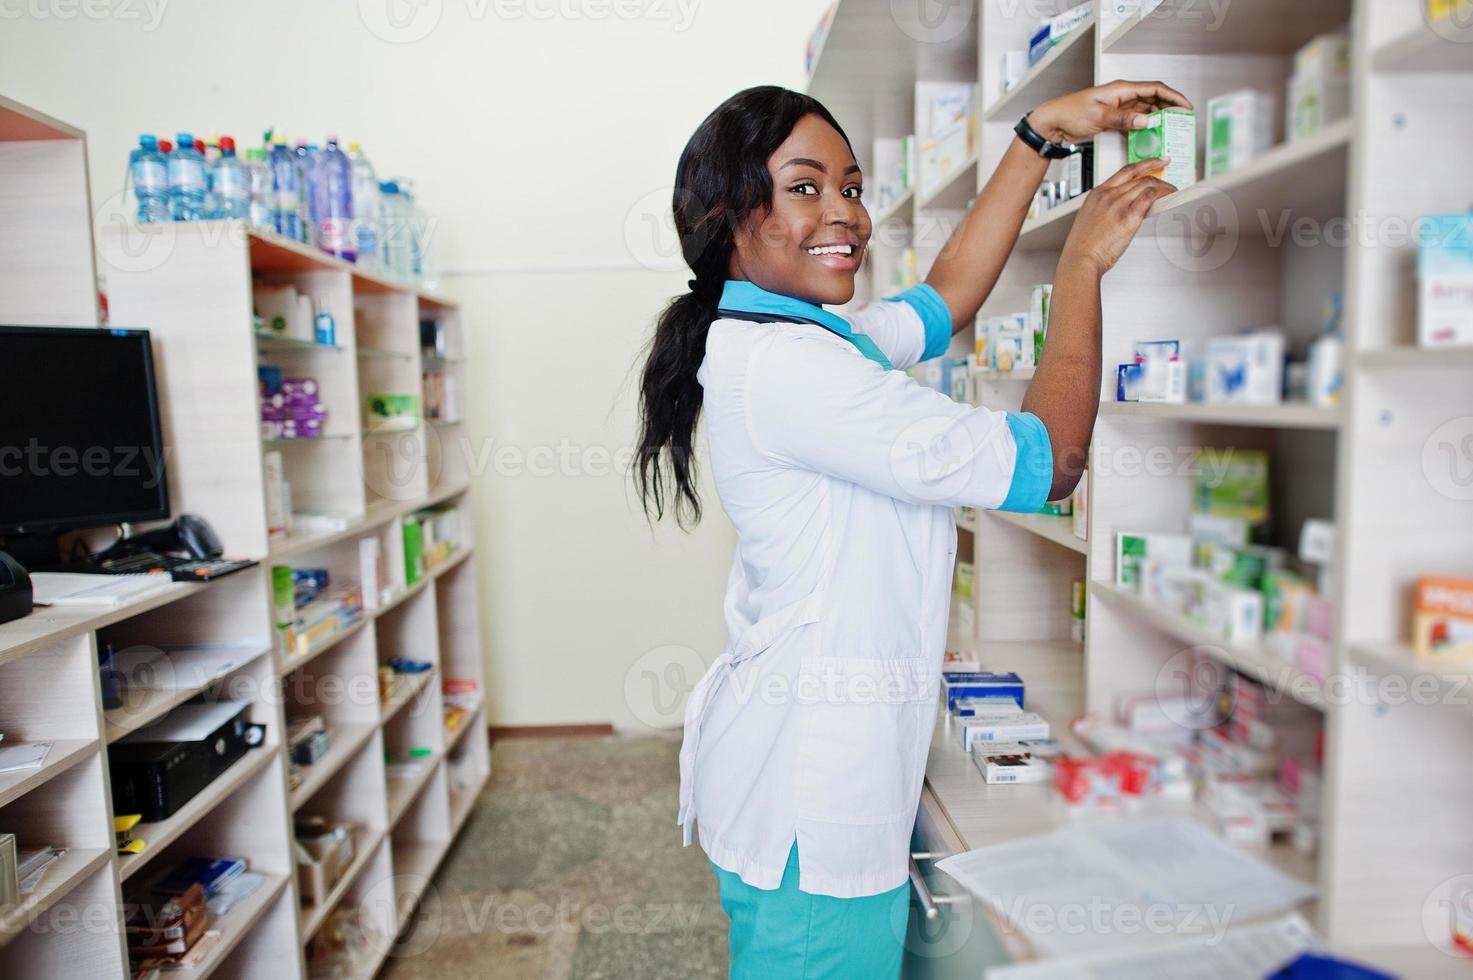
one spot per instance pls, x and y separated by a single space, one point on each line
307 610
161 767
1012 726
290 407
331 204
980 684
1051 30
966 574
389 411
1025 761
895 169
324 850
960 661
1445 280
1240 126
441 395
148 171
1168 133
1319 88
1080 506
946 130
307 739
1014 67
1064 180
1245 368
1076 610
1442 625
371 571
1134 548
162 931
187 181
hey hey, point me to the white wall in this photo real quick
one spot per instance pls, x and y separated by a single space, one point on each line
541 133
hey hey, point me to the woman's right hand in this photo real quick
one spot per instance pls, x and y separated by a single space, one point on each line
1112 214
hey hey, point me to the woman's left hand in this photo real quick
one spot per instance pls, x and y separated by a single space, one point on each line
1115 105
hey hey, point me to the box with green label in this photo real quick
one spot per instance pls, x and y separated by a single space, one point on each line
1240 126
1168 133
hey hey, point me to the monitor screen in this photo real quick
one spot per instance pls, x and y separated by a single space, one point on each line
80 444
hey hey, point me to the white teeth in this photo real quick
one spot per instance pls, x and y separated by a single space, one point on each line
832 250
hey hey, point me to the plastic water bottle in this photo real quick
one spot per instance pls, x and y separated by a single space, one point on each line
365 208
261 198
414 226
393 232
332 202
209 148
230 183
303 155
187 183
150 176
286 188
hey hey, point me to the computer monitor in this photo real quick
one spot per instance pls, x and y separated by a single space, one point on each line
80 440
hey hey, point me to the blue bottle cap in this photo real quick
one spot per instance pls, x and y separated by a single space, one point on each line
388 187
185 139
148 141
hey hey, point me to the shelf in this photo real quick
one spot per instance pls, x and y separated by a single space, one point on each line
1454 677
1257 662
64 753
1188 27
1448 358
296 544
1018 374
464 802
954 191
898 208
347 738
402 792
406 689
1050 229
144 705
271 252
446 423
65 873
311 917
1305 178
234 926
379 354
291 345
1287 415
390 427
21 123
434 360
1427 48
454 737
291 661
1059 530
414 866
326 437
160 834
1068 67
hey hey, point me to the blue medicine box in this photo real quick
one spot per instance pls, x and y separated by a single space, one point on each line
980 684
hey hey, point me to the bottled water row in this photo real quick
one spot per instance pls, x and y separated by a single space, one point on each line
313 194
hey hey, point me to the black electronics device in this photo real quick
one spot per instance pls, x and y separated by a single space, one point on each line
158 769
81 443
15 589
207 569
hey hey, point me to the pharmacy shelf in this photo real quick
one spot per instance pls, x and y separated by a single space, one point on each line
1068 67
1017 374
1256 661
453 737
1059 530
1188 27
1421 358
346 739
271 252
64 753
954 191
289 546
142 706
280 344
389 355
21 123
288 662
464 803
311 917
403 792
234 926
406 688
160 834
1454 677
414 866
326 439
1050 229
898 208
1286 415
1427 48
64 874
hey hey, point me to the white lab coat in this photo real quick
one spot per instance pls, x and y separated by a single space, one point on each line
841 479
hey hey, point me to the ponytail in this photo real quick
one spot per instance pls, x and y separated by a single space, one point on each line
721 178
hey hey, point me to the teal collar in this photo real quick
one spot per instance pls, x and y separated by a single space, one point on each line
742 300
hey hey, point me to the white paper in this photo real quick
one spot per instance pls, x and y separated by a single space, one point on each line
1124 881
187 723
28 755
1246 953
74 589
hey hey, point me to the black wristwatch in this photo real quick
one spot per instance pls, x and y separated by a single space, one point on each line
1039 145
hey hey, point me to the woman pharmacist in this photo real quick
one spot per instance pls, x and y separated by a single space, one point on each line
805 744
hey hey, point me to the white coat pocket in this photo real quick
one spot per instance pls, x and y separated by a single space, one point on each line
865 726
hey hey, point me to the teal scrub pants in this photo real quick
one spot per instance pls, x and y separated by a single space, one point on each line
785 934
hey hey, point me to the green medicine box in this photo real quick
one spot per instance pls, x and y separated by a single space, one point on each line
1168 133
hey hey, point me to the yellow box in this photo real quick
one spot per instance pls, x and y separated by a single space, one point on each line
1442 625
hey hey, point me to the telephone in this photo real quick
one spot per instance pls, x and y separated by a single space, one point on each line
189 536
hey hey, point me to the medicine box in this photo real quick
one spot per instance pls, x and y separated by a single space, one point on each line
1008 729
1445 280
1132 548
1240 126
981 684
1168 133
1010 763
1319 88
1054 29
990 707
1232 484
1443 622
1246 368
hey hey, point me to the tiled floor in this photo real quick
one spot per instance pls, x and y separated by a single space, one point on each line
571 867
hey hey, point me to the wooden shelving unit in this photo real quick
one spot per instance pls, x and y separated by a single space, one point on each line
194 292
1211 259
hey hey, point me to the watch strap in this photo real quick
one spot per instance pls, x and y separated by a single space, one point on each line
1034 141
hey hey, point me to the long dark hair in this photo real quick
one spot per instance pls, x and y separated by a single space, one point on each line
721 179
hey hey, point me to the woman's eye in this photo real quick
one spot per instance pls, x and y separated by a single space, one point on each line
808 189
854 192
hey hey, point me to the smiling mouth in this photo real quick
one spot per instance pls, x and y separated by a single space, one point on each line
821 250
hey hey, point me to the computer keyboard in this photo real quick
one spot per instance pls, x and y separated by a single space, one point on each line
135 564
